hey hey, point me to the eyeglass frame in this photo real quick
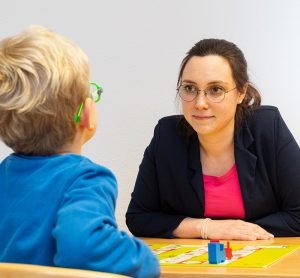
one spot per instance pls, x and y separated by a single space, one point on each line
99 91
204 91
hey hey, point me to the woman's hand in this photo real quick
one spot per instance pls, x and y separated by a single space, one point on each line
236 230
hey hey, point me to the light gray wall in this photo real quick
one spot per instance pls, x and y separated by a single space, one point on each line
135 48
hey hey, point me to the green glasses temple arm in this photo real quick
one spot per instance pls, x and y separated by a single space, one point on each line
77 116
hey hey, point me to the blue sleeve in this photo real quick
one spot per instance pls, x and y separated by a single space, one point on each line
87 235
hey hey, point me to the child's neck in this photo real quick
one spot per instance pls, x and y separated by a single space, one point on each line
75 146
72 147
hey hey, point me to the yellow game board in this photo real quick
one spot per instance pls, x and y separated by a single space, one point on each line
243 255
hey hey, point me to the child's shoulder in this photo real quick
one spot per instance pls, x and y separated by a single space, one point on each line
67 166
80 164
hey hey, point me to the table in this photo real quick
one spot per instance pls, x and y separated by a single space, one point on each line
288 266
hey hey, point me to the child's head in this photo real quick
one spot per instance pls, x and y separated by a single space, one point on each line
43 79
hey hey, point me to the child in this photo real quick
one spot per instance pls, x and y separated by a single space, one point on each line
57 206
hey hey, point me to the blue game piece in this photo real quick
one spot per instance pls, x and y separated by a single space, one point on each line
216 253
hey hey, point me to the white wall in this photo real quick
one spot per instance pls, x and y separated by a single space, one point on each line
135 48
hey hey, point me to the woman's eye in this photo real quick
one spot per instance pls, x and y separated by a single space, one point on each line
215 90
190 88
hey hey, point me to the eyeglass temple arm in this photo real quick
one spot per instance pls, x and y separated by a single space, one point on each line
77 116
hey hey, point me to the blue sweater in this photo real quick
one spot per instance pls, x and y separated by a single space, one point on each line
59 211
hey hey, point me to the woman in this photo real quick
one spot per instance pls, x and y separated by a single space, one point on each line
228 168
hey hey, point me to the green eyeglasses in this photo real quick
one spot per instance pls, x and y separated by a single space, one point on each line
95 95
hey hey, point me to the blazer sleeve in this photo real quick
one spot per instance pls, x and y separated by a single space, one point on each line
286 221
145 216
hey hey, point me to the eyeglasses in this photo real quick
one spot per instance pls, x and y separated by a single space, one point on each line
214 93
95 95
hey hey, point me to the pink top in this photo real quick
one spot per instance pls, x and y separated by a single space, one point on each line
223 197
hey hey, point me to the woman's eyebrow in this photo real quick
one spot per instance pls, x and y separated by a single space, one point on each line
218 82
209 83
189 81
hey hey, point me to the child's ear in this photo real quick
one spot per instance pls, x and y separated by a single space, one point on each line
87 116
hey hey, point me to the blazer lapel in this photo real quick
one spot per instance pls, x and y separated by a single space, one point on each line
195 170
246 164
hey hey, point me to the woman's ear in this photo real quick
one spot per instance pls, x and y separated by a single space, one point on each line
242 93
87 117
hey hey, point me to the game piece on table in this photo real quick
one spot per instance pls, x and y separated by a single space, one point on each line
216 252
228 251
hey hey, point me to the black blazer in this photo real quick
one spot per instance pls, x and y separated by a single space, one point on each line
169 185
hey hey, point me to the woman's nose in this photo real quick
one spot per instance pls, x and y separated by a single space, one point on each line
201 102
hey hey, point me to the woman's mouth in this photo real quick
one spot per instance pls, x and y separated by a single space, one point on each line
202 118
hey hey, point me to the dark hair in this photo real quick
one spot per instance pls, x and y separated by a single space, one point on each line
238 65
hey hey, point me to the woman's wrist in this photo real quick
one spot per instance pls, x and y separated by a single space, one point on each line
203 228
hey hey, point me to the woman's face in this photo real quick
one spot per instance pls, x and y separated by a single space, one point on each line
205 116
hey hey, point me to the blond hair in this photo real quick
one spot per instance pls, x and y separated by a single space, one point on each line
43 79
